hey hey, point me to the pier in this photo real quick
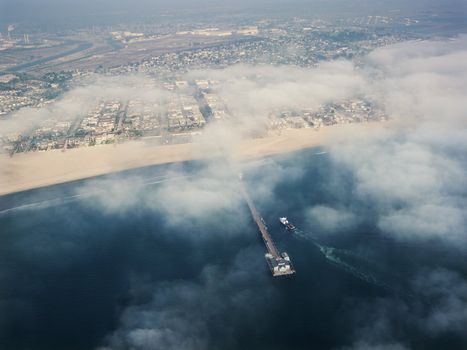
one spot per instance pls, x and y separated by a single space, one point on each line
279 263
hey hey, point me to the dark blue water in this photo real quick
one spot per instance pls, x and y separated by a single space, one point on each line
85 264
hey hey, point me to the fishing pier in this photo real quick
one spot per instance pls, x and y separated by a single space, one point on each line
279 263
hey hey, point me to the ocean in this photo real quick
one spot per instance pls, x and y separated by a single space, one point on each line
168 257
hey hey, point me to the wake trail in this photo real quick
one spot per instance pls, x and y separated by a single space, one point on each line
41 204
69 199
357 265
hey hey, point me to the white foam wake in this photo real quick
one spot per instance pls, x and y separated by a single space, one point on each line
356 264
68 199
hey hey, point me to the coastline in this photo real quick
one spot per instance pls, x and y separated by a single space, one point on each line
33 170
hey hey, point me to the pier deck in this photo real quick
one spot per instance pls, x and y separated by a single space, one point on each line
278 263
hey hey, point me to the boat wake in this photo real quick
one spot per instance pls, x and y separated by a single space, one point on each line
69 199
358 266
41 204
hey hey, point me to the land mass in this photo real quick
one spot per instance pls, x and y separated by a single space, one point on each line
38 169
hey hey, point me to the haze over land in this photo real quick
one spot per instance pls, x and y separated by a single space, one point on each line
168 257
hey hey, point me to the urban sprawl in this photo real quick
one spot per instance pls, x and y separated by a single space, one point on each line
195 102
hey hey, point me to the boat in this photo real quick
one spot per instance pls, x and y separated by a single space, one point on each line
288 225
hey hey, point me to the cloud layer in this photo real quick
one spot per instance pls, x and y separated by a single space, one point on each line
411 176
415 172
80 100
408 181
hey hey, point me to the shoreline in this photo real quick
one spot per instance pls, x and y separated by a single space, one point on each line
40 169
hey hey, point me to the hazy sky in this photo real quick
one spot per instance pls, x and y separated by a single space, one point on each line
58 10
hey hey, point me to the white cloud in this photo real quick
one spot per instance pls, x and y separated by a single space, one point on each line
330 219
414 173
182 315
253 92
447 291
80 100
426 221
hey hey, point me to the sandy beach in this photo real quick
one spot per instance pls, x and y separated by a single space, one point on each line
38 169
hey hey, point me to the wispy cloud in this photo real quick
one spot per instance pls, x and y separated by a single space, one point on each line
188 315
411 176
80 100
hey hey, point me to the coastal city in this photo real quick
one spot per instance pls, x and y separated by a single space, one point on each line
165 54
233 174
179 121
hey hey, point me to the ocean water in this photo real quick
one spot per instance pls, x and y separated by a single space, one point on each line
81 268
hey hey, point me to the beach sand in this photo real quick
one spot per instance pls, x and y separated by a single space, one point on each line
32 170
